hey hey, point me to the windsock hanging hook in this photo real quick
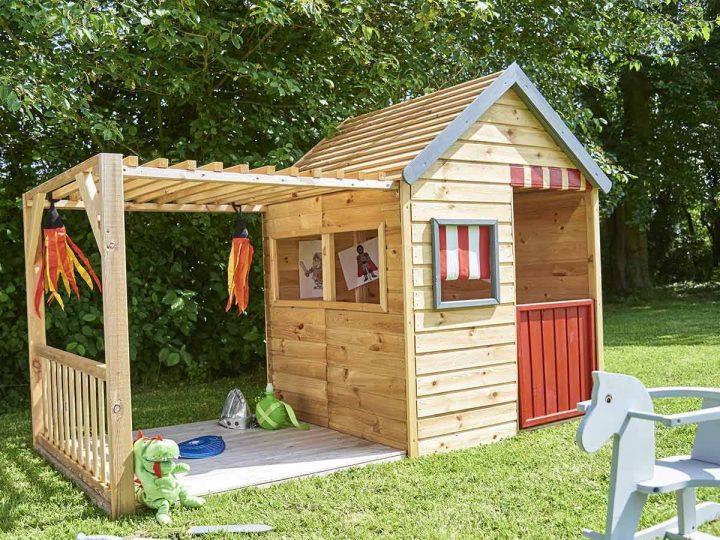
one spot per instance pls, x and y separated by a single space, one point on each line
240 226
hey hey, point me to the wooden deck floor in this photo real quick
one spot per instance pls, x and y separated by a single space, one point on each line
257 457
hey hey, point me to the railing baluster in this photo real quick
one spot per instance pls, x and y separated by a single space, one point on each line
56 414
71 414
102 411
47 393
48 399
86 417
65 409
78 413
45 401
94 419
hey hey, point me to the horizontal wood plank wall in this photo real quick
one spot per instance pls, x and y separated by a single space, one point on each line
340 368
466 359
296 348
551 246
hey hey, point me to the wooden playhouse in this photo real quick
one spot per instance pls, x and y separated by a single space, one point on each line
472 310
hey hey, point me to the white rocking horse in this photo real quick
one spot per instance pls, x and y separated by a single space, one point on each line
622 407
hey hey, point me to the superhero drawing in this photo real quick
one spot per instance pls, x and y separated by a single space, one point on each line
366 268
315 271
310 268
360 263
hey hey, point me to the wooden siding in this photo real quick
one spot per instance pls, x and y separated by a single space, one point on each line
340 366
466 359
551 246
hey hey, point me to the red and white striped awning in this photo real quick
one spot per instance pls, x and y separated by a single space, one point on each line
464 252
537 177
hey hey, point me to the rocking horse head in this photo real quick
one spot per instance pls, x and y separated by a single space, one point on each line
613 395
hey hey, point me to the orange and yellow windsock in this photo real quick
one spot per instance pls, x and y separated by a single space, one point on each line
241 254
61 257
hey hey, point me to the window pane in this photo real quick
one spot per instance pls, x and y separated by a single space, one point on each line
300 272
357 267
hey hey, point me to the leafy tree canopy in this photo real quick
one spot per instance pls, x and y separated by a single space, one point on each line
263 81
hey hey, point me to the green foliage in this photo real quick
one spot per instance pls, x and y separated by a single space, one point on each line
262 82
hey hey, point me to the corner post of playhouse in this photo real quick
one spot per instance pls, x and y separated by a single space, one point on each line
32 229
269 291
594 269
117 348
413 449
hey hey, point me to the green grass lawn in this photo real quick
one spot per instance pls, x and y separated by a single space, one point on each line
535 485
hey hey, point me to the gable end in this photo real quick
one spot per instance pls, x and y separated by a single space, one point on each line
515 78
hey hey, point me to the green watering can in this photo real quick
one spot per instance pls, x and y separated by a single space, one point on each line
271 413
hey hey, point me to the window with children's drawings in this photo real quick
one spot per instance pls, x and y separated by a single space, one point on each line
340 269
465 263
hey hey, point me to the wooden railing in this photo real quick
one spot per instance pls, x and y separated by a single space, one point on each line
74 414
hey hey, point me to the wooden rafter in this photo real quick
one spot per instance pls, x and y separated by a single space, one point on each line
213 193
241 168
159 162
64 178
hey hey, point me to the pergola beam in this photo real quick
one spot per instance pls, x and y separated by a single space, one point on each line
182 175
64 178
167 207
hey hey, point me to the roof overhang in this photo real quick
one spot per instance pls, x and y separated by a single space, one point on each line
512 78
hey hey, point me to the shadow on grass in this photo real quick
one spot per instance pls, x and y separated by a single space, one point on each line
31 492
669 318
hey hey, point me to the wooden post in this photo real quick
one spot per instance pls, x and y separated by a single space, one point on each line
117 355
328 262
270 290
382 264
408 306
592 203
32 225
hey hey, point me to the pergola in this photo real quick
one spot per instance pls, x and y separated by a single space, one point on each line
81 409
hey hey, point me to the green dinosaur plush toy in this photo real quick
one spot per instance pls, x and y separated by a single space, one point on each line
155 470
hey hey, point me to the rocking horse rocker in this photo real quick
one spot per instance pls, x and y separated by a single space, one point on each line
622 407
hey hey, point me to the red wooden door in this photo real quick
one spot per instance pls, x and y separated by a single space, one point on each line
556 356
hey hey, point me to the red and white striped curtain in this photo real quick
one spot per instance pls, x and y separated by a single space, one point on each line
464 252
537 177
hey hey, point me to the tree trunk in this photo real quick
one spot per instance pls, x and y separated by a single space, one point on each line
710 213
630 267
630 264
